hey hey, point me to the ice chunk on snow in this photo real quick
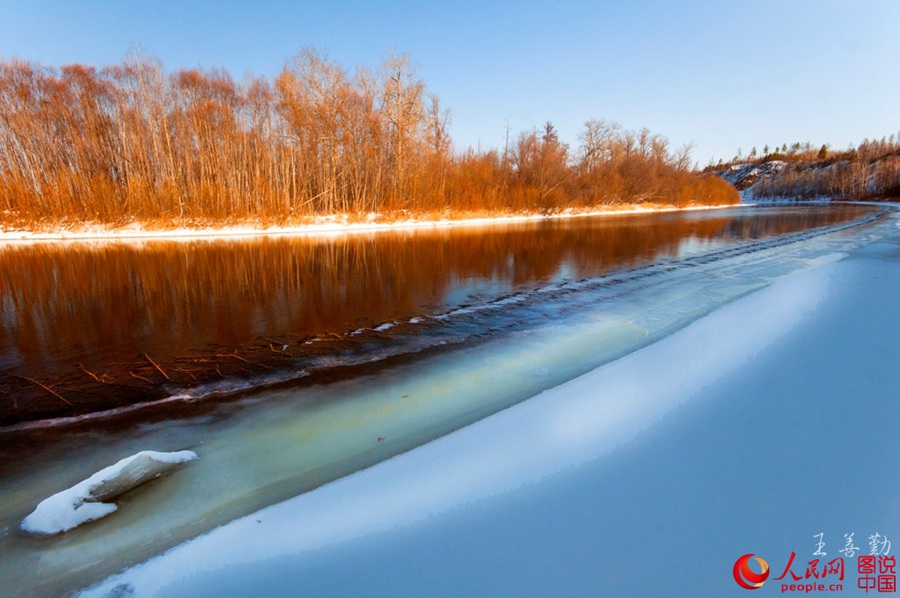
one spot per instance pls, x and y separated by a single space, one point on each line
83 502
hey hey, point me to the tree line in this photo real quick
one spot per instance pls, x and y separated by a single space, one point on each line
132 141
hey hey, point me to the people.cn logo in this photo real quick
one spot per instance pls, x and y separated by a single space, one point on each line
745 577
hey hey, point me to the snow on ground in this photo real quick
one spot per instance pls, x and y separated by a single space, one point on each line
83 502
753 429
744 176
323 226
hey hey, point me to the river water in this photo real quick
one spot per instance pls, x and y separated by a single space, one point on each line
287 362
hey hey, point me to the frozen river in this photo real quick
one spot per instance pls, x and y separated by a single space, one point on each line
387 367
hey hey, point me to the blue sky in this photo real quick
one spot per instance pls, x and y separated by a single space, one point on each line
723 75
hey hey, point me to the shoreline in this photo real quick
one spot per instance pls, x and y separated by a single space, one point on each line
320 226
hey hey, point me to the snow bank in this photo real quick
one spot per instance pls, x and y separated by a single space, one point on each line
322 227
83 502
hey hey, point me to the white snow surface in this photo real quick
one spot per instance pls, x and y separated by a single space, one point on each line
81 503
327 226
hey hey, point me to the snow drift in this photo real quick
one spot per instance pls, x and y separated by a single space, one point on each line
84 501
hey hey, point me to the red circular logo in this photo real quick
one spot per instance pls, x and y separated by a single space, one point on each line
745 577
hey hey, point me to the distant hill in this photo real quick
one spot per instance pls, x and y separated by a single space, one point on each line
745 175
869 171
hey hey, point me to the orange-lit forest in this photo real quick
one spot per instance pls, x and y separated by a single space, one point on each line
135 143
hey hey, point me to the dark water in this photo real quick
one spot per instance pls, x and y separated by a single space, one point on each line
91 326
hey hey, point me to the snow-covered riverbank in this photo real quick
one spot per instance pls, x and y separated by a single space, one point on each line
752 430
324 225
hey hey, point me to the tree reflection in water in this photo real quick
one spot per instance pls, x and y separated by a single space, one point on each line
89 326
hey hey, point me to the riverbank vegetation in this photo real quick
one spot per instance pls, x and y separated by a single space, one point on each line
134 143
871 170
